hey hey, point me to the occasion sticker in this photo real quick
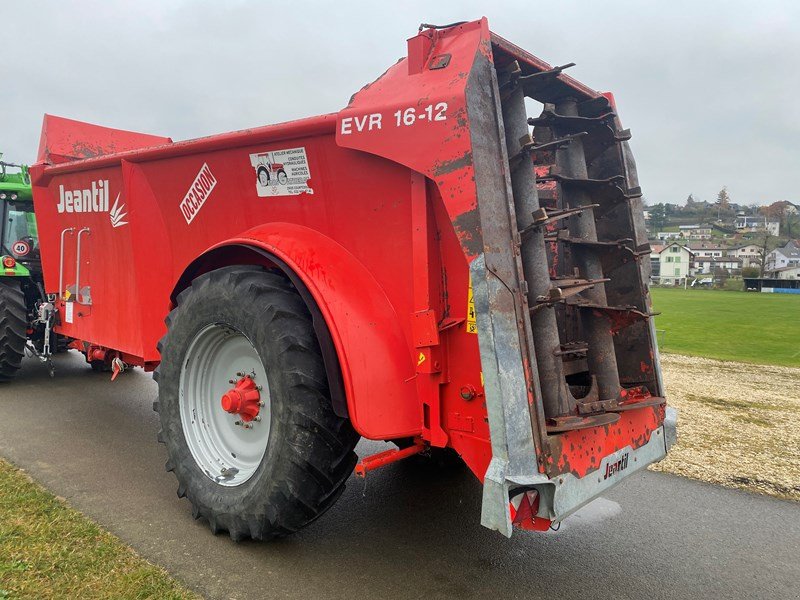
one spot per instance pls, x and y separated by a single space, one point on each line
281 172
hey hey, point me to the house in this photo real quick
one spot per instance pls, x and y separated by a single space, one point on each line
757 223
788 256
675 261
701 233
668 235
707 249
717 266
750 254
785 273
655 262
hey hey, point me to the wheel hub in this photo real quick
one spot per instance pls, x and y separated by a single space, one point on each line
242 399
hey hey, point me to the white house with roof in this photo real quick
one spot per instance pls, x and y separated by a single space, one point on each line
788 256
675 263
785 273
713 265
750 254
706 249
757 223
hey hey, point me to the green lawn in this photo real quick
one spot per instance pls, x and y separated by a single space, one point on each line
740 326
49 550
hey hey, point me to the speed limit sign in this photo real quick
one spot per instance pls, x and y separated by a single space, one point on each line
21 248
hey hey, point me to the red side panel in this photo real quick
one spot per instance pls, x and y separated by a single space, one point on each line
64 140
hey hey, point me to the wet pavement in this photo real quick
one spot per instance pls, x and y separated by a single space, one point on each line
409 531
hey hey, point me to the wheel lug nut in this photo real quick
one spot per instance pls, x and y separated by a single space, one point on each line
257 419
231 381
237 423
239 374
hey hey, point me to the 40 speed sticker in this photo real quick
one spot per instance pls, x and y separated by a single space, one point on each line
21 248
281 172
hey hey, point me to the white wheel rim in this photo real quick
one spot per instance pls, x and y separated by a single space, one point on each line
228 453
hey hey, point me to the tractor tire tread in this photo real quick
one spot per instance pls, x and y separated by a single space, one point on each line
13 329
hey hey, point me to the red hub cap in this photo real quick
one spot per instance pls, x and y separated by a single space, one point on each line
242 399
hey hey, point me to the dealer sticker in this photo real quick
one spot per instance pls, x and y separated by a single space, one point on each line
281 172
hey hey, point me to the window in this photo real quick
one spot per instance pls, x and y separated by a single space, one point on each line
669 259
677 271
674 249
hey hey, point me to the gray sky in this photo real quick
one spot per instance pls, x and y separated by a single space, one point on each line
710 90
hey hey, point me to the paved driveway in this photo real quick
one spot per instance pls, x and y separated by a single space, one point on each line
408 532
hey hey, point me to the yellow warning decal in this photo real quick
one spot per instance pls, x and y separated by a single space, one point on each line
472 326
420 359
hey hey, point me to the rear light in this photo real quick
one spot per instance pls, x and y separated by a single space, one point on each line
9 262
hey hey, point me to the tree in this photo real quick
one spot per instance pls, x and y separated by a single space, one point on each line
723 202
762 254
658 218
750 272
723 197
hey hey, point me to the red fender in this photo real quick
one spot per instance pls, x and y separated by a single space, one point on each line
375 357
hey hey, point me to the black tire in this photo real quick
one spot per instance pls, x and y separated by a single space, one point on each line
309 451
13 328
262 171
284 179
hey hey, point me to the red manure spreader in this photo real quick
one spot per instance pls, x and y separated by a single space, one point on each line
428 266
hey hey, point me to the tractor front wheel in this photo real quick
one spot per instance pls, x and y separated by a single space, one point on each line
13 328
245 409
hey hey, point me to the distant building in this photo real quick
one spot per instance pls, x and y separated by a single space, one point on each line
750 254
788 256
715 266
675 262
668 235
706 249
785 273
701 233
757 223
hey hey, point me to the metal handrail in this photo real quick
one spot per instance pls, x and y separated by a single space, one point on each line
61 262
78 265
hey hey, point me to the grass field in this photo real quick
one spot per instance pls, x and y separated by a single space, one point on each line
739 326
48 550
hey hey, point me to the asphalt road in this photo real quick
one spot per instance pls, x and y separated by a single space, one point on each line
409 532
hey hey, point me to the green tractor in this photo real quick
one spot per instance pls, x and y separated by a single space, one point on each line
26 314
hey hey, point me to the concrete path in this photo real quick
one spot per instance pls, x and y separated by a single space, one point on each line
409 532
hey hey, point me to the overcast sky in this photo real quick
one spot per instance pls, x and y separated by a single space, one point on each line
710 90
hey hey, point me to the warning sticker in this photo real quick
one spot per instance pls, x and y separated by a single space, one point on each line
472 326
281 172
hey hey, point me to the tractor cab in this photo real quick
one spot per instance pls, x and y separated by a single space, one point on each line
19 238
